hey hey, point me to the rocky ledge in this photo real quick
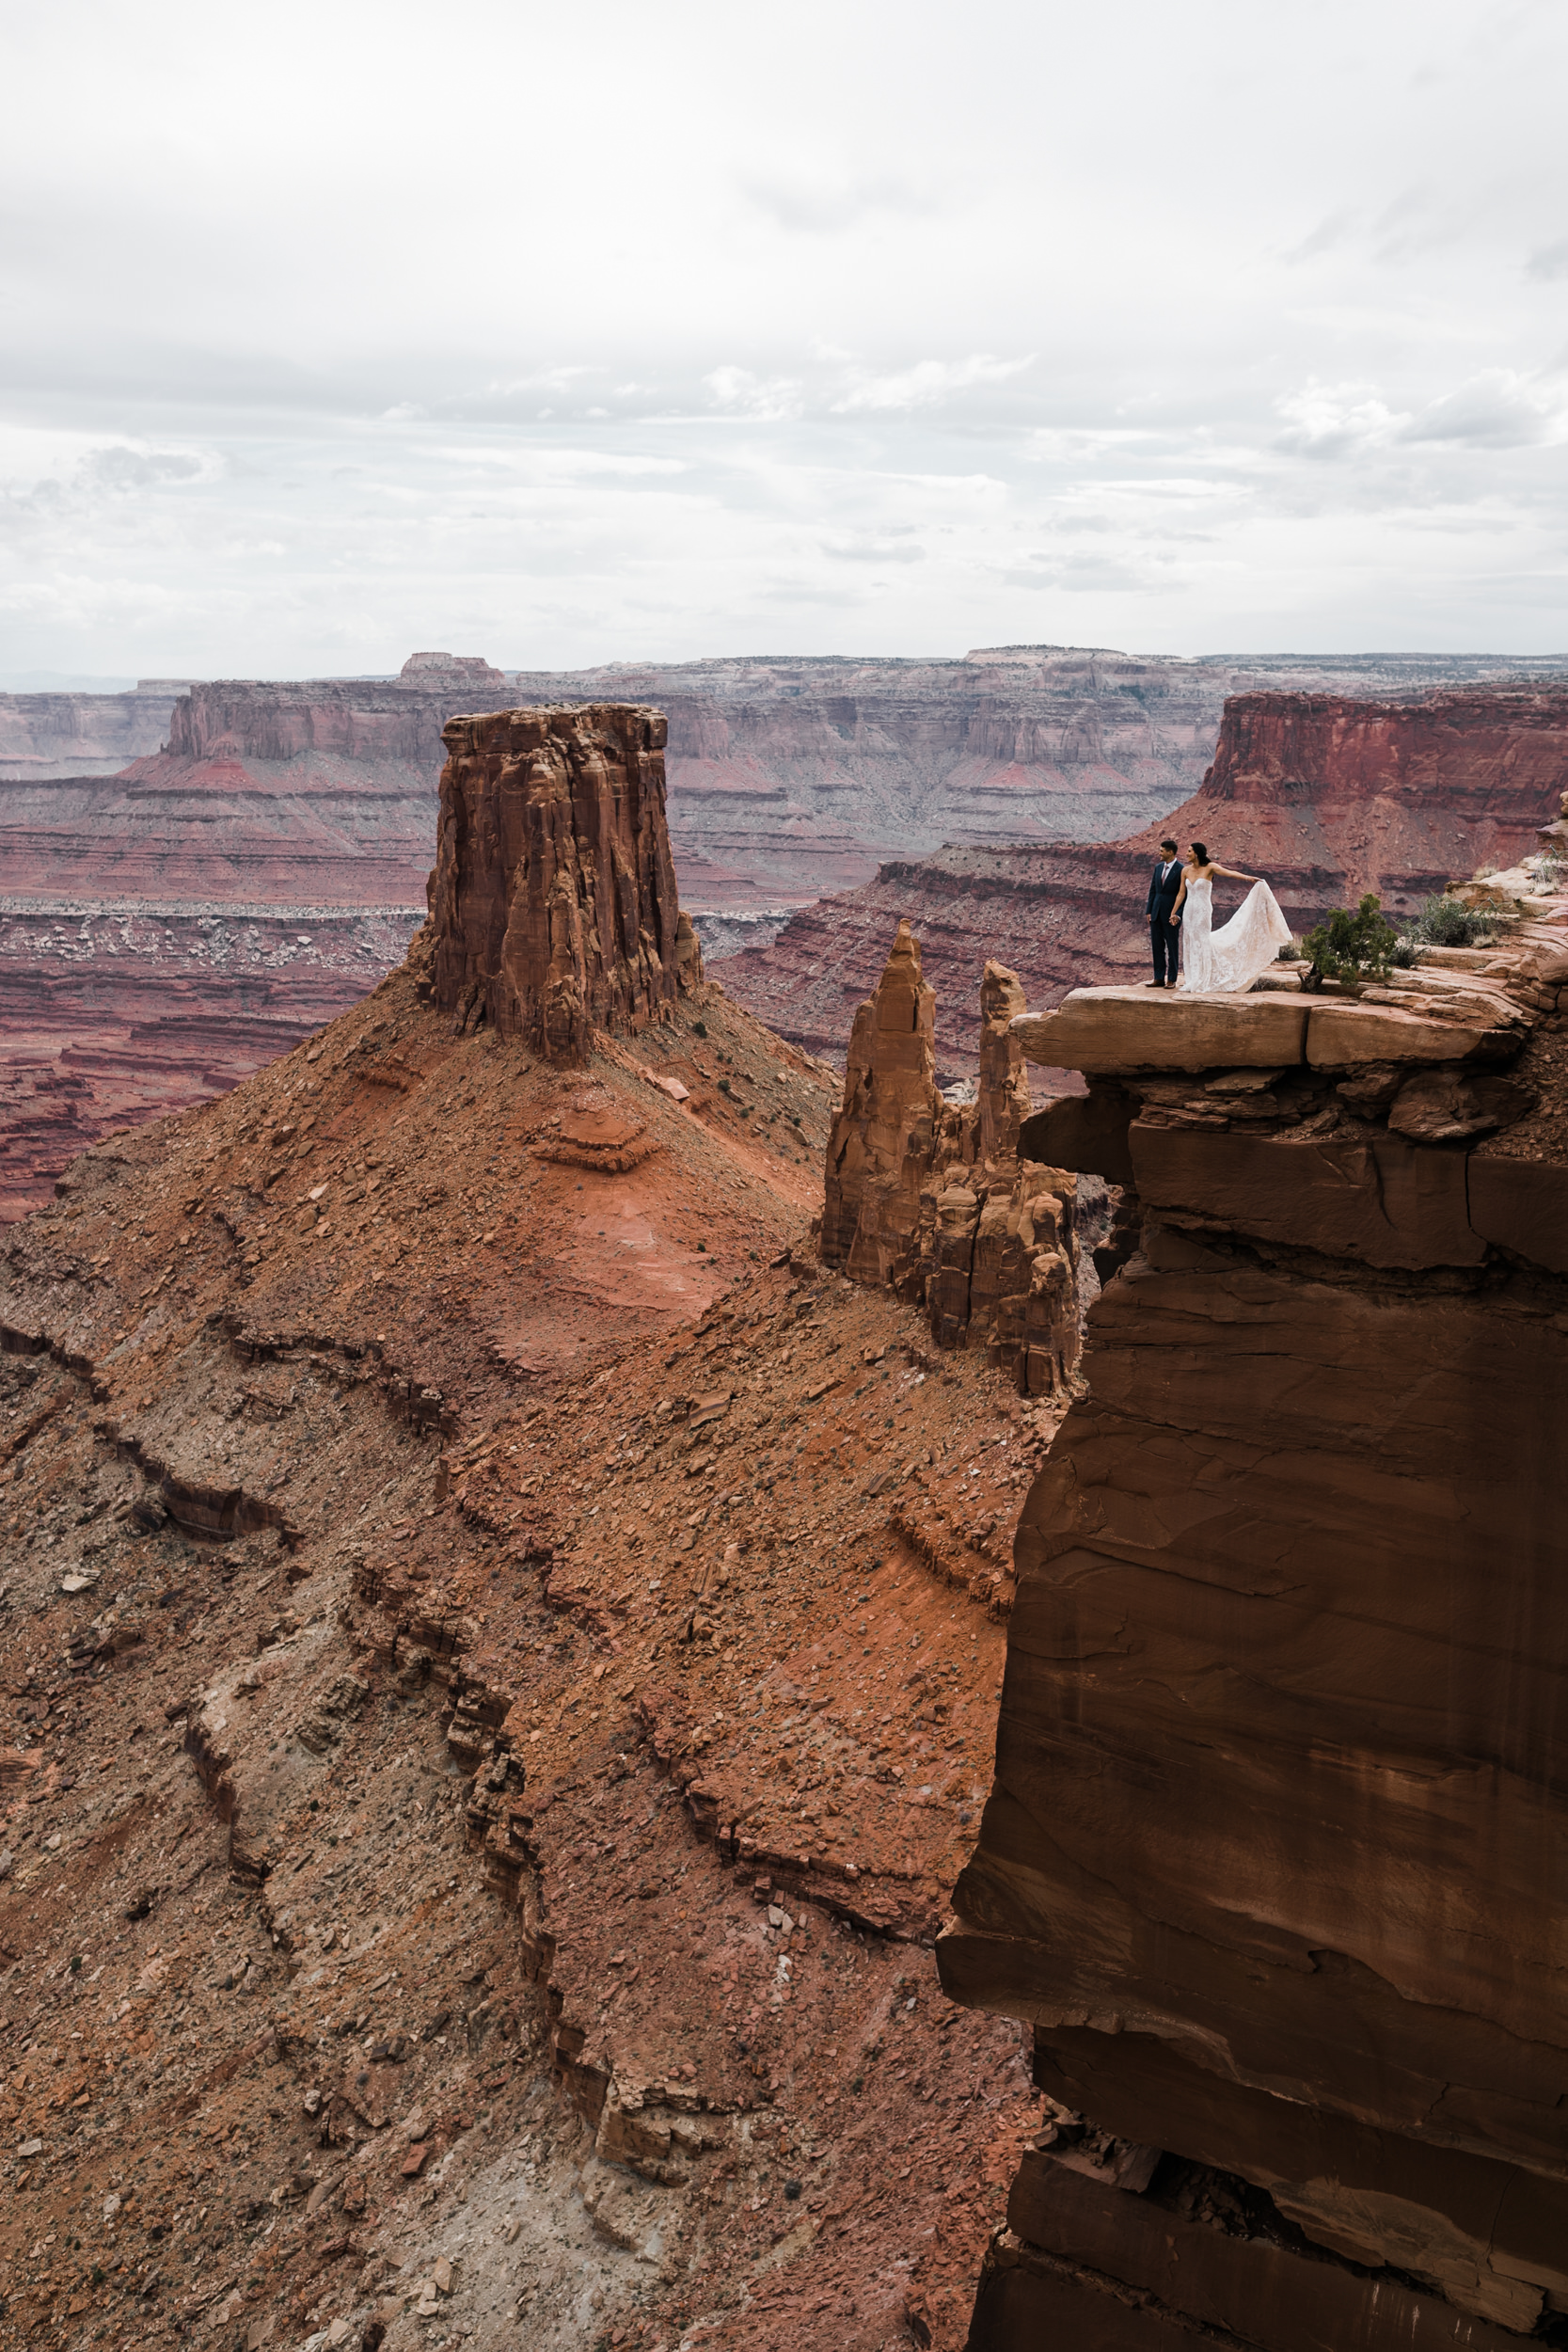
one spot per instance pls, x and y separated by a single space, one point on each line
1280 1764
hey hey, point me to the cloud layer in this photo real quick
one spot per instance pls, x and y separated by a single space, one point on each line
565 338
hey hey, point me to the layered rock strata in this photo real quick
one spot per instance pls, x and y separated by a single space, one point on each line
1326 796
789 778
1271 1861
83 735
114 1014
553 907
937 1202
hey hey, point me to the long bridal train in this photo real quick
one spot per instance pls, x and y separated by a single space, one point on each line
1226 961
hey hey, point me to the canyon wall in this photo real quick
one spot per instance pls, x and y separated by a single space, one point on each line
83 735
322 794
787 777
791 778
111 1015
1325 795
1272 1865
167 929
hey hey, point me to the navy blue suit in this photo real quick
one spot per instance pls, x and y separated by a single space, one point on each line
1165 935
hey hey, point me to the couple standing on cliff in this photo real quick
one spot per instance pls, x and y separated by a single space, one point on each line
1180 909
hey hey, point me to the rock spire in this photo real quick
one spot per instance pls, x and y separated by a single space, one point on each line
935 1200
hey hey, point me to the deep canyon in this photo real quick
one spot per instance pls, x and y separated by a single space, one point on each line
661 1700
253 804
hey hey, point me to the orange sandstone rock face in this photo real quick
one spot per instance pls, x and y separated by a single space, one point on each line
939 1203
1279 1763
553 903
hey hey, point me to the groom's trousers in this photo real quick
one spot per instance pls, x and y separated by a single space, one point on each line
1164 937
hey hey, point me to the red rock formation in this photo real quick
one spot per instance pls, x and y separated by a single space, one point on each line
787 778
553 909
1271 1862
1327 798
322 794
342 1435
938 1204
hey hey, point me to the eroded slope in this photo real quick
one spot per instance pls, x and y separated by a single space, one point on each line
503 1663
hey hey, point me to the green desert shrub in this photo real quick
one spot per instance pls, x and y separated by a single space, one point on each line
1347 947
1444 922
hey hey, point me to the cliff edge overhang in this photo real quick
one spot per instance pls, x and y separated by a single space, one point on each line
1280 1763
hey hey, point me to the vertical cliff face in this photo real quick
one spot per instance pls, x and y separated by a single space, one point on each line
82 735
553 907
1274 1859
939 1203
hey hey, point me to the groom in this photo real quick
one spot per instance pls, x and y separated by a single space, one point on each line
1164 886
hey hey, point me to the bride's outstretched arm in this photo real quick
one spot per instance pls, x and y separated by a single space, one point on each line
1230 871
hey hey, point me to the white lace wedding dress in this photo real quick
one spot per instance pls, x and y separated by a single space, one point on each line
1226 961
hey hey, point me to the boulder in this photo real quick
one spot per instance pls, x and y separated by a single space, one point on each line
1343 1036
1442 1107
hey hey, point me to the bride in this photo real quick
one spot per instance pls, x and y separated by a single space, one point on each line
1226 961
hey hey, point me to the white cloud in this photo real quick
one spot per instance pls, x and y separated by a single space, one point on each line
738 392
1337 420
929 384
1495 409
695 338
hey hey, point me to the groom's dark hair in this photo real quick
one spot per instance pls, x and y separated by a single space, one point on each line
1167 843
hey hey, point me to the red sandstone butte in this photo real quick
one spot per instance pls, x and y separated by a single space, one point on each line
553 907
1325 795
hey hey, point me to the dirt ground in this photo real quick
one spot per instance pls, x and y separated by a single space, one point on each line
501 1655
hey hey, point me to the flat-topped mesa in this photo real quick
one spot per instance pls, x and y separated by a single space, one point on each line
1280 1748
936 1201
553 907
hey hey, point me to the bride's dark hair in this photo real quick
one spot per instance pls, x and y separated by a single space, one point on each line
1201 854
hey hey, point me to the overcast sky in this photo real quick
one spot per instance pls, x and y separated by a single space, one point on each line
565 335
